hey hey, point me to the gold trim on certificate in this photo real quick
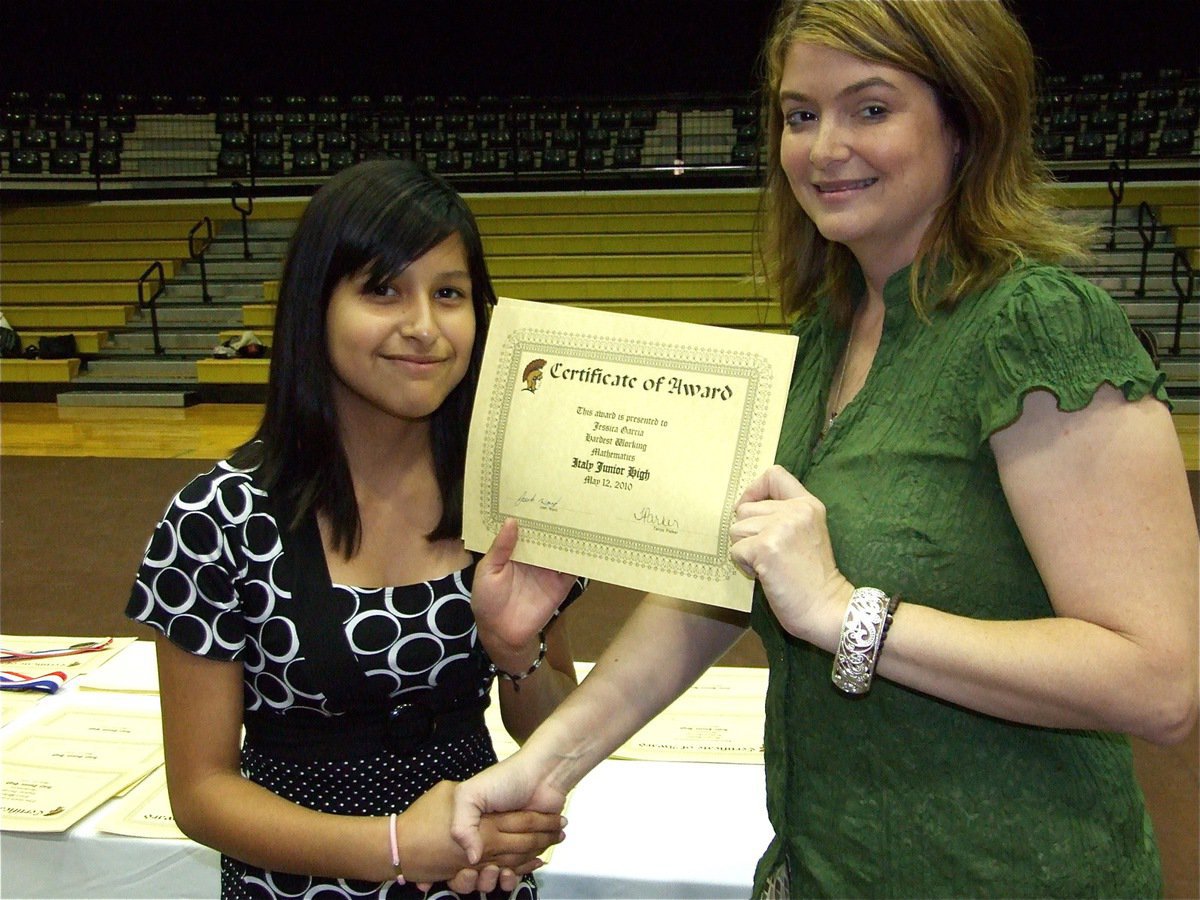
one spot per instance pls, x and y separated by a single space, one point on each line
621 443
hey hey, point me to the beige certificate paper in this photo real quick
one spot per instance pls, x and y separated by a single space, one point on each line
620 443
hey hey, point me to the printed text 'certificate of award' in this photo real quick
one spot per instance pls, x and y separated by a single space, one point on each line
621 443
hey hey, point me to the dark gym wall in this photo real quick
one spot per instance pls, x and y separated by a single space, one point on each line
475 47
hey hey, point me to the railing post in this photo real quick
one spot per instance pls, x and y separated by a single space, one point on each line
1148 240
152 303
198 255
1180 261
245 213
1116 188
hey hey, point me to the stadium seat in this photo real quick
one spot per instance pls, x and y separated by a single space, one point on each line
325 122
1050 146
631 137
627 157
65 162
295 120
556 159
72 139
228 120
564 138
1176 142
234 140
25 162
485 161
1104 121
467 140
744 155
1161 98
268 140
306 162
449 161
104 161
434 139
1090 145
597 137
262 121
35 139
593 158
399 142
122 123
1064 122
339 160
522 160
303 141
268 162
1134 144
231 163
1182 117
335 142
643 118
1142 120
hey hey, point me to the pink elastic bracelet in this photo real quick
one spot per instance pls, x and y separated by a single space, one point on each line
395 848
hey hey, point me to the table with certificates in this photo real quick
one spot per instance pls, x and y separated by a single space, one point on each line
621 444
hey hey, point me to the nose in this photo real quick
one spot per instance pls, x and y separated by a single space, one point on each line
829 144
419 322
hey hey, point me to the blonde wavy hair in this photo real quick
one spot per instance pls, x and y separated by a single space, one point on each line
980 65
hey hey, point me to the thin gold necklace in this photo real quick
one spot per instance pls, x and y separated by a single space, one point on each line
837 396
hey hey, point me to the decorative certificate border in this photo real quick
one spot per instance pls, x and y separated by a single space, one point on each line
750 369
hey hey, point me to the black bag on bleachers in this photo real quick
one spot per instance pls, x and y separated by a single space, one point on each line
57 346
10 341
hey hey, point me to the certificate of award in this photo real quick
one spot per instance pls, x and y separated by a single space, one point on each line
621 444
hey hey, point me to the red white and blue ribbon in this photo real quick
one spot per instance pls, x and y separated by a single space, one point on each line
49 682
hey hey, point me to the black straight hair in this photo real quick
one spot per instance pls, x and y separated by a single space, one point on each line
374 217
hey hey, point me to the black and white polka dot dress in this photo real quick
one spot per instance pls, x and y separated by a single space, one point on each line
210 582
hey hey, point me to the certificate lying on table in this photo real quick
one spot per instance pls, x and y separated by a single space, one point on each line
621 443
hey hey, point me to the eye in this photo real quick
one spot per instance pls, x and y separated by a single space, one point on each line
873 111
796 117
451 293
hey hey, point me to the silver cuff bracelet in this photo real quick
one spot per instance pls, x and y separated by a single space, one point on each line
867 618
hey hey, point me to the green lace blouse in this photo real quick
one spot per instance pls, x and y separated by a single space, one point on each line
898 794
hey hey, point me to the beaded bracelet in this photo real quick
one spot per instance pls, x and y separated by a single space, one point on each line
868 616
518 678
395 848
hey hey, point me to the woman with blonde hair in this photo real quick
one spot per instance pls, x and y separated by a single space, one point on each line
979 528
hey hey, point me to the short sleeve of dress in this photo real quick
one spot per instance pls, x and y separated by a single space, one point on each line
1058 332
187 586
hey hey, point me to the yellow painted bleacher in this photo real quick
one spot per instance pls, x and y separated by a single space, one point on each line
44 370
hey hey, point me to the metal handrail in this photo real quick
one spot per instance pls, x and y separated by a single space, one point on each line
1180 261
1116 188
245 213
152 303
1148 240
197 255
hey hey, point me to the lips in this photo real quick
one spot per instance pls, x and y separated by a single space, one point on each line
839 187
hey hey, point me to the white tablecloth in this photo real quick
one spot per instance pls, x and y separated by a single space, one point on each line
636 830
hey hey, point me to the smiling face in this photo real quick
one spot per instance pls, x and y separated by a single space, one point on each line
866 151
398 350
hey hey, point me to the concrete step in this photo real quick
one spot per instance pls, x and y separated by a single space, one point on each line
168 399
234 268
230 245
172 341
197 315
143 368
247 291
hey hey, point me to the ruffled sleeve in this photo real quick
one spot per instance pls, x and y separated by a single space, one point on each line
1058 332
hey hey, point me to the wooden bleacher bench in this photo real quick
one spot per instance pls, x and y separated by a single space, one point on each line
232 371
56 292
43 370
69 318
67 269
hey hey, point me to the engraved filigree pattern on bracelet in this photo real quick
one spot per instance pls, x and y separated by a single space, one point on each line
854 663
